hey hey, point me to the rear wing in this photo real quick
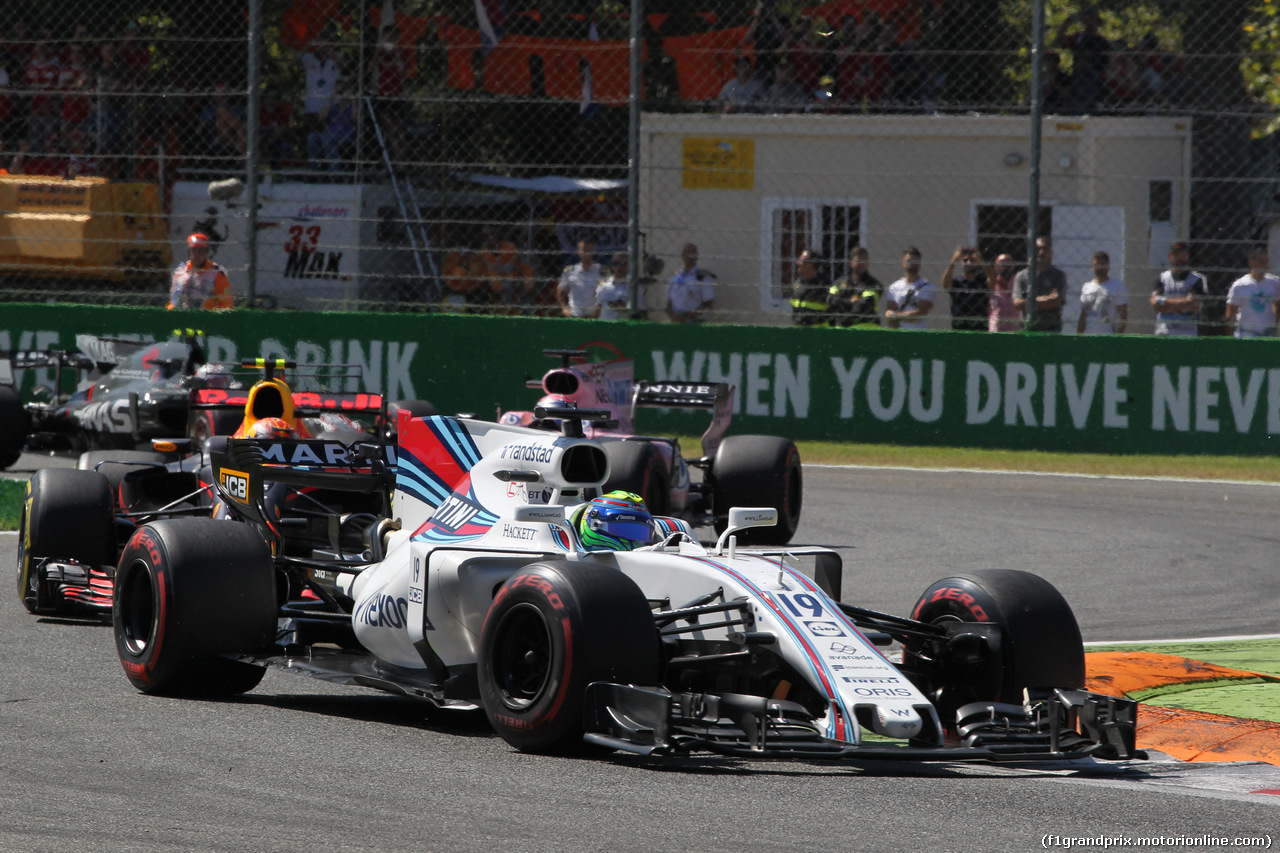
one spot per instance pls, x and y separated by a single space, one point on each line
27 359
716 396
304 402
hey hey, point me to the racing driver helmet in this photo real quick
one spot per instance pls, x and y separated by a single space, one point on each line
549 402
271 428
617 521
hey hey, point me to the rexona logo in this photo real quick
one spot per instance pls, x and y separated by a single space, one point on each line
235 484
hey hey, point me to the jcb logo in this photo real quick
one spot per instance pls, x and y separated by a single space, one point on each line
235 484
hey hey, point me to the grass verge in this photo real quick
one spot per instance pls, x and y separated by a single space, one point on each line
11 494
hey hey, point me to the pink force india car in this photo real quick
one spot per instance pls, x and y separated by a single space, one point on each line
473 590
756 470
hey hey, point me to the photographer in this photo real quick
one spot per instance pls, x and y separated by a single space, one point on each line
690 291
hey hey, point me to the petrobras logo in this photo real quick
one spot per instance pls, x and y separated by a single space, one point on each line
323 211
234 484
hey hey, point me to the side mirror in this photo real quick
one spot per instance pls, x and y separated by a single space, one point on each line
549 514
741 518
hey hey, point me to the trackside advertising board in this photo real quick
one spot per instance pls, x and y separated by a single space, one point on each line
1125 394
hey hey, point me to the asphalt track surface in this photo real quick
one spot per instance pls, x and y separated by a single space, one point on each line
87 763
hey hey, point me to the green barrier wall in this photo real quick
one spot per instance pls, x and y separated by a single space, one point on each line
1100 394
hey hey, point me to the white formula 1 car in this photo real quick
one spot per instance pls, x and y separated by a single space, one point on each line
474 590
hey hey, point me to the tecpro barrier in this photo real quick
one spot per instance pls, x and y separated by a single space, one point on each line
1098 394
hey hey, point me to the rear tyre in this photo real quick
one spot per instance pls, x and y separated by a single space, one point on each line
759 470
553 629
416 408
114 464
638 466
67 515
188 590
13 427
1040 644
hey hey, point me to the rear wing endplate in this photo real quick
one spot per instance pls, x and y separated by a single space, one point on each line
716 396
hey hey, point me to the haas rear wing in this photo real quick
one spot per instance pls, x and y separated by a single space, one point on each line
716 396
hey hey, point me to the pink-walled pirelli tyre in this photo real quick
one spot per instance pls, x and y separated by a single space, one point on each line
759 470
187 591
1039 637
67 515
553 629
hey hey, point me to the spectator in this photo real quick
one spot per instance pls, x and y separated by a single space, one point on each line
17 164
275 119
765 34
579 282
109 117
1251 301
328 147
1002 316
1177 294
1124 83
6 105
79 162
224 123
854 300
1049 293
743 93
1090 53
690 291
910 298
1055 85
804 55
611 295
390 68
970 291
1104 304
74 82
511 283
862 71
135 57
809 290
199 282
464 276
786 95
320 65
41 79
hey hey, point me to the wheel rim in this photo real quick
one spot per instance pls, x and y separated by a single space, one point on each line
137 609
522 657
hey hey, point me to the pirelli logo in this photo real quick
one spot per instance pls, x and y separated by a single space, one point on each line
235 484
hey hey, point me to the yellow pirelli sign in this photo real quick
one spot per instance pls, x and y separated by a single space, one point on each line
718 163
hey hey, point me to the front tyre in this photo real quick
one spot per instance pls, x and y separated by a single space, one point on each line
759 470
1040 643
187 591
553 629
67 515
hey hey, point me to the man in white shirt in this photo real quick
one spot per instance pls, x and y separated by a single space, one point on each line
611 295
690 291
320 67
1251 301
910 298
576 292
1104 305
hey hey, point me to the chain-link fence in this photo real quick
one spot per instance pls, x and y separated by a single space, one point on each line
459 155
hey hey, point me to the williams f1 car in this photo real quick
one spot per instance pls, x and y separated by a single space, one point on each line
475 590
760 470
